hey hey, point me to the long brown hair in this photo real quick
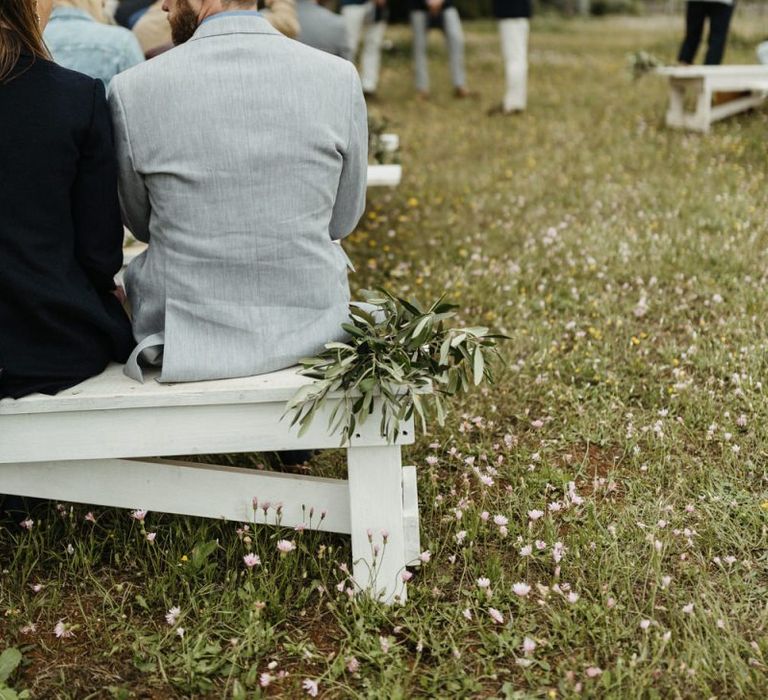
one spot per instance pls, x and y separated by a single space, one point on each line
19 32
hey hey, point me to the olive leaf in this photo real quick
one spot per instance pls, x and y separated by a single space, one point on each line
398 356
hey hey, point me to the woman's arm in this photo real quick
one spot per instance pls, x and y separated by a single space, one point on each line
95 207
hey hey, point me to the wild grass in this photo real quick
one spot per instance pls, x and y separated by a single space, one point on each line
627 263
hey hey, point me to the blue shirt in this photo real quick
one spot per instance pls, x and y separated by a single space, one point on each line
79 42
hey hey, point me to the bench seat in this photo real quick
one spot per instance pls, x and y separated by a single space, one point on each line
706 81
107 442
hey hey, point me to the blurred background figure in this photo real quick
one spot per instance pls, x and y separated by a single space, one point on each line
128 12
762 53
154 33
371 16
79 38
438 13
322 29
697 12
514 20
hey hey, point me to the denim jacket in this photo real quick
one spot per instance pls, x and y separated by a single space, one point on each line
79 42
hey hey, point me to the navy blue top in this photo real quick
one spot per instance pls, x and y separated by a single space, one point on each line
61 236
512 9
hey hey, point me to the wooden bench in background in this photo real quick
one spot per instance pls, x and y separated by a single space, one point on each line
103 441
701 83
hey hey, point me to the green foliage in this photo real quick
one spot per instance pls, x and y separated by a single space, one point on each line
10 660
640 63
399 356
377 151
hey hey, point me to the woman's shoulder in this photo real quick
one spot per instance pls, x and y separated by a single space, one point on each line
61 88
71 79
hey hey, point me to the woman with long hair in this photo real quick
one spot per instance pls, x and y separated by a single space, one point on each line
60 231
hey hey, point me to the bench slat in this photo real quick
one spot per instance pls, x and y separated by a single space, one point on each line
113 390
185 488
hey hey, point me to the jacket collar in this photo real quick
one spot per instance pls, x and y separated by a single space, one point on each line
234 23
68 13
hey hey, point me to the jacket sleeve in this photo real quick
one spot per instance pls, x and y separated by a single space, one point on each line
134 199
281 14
95 208
350 197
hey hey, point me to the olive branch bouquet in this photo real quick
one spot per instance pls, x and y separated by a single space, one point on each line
405 357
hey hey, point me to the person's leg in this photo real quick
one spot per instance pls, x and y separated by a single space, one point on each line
354 16
719 22
419 27
695 13
514 46
371 63
454 37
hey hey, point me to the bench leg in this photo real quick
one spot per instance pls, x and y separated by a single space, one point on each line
676 110
375 477
702 119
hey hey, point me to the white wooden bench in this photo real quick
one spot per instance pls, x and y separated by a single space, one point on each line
704 82
386 175
100 443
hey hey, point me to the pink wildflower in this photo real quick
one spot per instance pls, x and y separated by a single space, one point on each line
497 617
251 560
139 515
62 631
310 686
285 546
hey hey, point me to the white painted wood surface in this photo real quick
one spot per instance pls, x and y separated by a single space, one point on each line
390 142
376 505
411 517
185 488
384 175
706 81
87 444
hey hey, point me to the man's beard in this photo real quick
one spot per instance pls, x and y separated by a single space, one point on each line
183 22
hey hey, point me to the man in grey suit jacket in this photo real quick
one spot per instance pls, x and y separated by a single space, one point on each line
323 29
243 160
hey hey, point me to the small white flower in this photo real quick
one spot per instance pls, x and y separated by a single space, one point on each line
172 616
521 589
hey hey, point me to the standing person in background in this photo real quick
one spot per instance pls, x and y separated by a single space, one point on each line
719 13
514 20
79 39
441 13
322 29
370 15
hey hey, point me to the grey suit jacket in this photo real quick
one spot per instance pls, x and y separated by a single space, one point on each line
322 29
243 159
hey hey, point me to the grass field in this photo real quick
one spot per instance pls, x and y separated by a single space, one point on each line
624 445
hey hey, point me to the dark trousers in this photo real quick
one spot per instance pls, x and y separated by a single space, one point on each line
697 12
